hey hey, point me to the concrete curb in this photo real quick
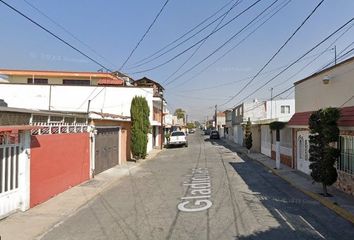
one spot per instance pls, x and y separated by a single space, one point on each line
330 205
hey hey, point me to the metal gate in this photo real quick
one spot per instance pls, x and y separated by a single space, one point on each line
13 170
106 148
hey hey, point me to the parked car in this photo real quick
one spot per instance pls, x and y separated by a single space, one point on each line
207 131
192 130
214 135
178 138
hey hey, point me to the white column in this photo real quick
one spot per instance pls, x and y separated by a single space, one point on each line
277 154
24 170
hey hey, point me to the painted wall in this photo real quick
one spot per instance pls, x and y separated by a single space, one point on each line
312 94
273 109
58 162
115 100
52 80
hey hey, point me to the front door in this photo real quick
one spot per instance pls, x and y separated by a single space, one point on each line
303 145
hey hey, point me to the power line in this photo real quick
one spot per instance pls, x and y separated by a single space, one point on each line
183 35
298 59
313 60
222 45
239 43
246 78
202 43
54 35
195 44
67 31
146 32
276 53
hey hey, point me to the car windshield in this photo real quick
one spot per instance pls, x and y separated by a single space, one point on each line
177 134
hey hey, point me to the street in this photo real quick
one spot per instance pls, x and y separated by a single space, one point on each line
205 191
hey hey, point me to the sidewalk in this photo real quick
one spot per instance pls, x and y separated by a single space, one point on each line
341 203
36 221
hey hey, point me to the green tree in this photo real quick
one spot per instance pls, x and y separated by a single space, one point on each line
139 113
180 113
190 125
248 135
323 155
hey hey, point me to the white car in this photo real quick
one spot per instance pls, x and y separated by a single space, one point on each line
178 138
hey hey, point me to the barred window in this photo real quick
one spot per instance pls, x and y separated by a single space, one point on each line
346 160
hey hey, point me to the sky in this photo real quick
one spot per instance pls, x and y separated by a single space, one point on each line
108 30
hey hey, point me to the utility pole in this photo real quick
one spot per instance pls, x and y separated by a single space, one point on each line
271 103
335 55
162 128
216 117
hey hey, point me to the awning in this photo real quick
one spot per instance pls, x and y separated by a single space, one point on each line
346 119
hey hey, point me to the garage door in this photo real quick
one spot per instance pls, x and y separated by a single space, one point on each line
106 149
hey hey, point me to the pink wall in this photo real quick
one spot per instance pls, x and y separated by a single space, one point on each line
58 162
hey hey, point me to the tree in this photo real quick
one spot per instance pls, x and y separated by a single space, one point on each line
323 155
248 135
190 125
139 112
179 113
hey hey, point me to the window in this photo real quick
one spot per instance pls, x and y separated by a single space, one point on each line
37 80
346 159
177 134
285 109
76 82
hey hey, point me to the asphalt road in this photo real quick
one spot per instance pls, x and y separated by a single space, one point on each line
205 191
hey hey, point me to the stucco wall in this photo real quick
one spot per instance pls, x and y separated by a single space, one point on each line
312 94
58 162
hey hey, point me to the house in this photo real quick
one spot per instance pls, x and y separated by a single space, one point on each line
240 114
280 110
261 114
220 122
228 130
80 92
33 141
159 105
59 78
331 87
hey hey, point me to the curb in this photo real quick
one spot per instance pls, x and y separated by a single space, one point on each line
330 205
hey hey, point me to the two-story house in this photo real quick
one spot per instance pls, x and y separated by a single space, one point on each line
331 87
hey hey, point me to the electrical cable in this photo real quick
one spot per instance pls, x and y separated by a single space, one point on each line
195 44
144 35
54 35
179 38
222 45
68 32
298 59
202 43
277 52
239 43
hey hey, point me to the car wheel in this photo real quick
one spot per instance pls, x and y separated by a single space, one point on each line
186 145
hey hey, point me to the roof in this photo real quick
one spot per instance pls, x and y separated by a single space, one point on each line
145 80
109 116
346 119
41 73
325 70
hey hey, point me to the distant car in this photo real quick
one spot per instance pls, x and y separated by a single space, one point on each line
191 130
214 135
178 138
207 131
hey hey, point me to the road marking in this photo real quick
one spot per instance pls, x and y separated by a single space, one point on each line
319 234
281 215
